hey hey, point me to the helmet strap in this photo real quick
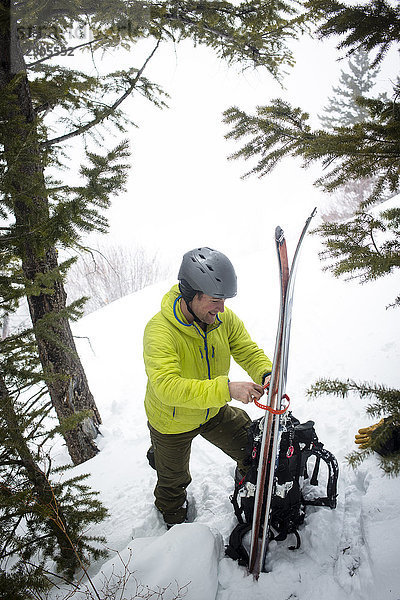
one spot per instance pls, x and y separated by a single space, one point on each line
188 294
195 317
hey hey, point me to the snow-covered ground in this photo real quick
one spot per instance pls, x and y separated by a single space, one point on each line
339 330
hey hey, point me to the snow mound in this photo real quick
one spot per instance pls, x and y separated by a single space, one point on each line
181 563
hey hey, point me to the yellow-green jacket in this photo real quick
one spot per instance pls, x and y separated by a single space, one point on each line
187 369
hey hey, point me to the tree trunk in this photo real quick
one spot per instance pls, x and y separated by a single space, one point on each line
65 377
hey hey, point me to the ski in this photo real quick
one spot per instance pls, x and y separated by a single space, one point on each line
276 393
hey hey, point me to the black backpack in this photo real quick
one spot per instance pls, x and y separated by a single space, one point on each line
294 487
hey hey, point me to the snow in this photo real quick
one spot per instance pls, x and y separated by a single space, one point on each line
171 565
339 329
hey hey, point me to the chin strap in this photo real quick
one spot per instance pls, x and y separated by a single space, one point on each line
196 318
188 294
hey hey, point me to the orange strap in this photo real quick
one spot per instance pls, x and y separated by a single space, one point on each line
273 411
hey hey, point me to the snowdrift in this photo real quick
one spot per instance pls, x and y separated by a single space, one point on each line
339 330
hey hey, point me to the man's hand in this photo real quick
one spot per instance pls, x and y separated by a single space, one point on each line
245 391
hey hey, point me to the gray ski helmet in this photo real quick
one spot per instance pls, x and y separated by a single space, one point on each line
209 271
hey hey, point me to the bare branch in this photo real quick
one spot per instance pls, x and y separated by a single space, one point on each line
107 112
66 51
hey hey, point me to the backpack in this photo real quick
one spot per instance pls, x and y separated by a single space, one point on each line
294 487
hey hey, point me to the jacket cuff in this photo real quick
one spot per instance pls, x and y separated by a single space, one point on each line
265 376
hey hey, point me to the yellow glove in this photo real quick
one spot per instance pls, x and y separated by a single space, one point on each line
363 439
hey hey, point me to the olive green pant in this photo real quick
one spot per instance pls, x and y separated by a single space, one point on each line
227 430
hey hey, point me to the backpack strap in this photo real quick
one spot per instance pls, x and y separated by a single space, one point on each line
236 506
284 534
235 548
320 452
314 476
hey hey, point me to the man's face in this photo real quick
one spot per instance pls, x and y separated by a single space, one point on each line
206 307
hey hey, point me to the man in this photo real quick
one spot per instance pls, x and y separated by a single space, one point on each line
187 350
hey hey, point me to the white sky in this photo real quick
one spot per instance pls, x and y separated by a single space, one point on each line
182 190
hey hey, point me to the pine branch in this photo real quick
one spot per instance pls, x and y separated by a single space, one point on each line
367 149
352 249
10 463
255 34
372 25
384 437
55 575
102 116
391 465
3 550
341 388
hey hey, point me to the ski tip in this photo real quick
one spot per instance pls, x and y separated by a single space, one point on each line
314 212
279 235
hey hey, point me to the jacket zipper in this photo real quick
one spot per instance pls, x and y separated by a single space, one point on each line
207 358
208 365
205 346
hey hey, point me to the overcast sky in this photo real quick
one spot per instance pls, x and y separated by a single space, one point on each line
182 190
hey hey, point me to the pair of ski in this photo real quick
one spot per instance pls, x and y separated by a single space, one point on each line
276 393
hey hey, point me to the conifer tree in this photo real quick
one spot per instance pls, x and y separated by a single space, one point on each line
350 152
43 214
345 108
366 246
43 512
356 81
41 516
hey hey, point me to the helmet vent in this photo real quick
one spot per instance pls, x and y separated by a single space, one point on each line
219 281
209 267
202 256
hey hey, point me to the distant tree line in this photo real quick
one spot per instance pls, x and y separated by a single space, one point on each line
108 272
